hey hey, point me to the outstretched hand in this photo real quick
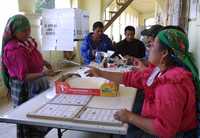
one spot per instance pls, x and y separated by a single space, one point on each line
139 64
93 72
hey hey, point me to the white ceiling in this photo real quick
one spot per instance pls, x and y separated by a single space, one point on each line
144 6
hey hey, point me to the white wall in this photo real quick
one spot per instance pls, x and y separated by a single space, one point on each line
194 37
94 7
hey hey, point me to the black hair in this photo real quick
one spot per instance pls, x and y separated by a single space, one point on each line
97 25
152 31
129 28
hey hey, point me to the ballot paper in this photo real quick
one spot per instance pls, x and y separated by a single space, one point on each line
71 99
74 108
56 111
99 116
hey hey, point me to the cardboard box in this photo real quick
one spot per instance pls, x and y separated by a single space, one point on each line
86 86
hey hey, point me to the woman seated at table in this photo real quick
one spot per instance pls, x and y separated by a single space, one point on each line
169 108
22 68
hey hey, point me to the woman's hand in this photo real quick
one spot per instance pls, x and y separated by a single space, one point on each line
47 65
139 64
93 72
50 72
123 115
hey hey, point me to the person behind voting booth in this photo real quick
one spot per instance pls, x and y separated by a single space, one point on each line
130 47
154 30
94 42
150 35
22 68
170 88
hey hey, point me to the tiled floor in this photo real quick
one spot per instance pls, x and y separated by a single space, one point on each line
9 130
6 130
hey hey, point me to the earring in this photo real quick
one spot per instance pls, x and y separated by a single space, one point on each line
162 60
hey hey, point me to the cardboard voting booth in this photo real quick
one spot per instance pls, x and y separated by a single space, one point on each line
60 27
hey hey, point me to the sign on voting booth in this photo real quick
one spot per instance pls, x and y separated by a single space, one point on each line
60 27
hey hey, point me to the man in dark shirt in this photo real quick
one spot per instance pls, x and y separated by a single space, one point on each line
130 46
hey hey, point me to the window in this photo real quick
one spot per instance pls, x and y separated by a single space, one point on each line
122 23
7 10
116 30
149 22
135 22
62 4
44 4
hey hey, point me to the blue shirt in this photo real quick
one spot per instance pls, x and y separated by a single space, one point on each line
89 48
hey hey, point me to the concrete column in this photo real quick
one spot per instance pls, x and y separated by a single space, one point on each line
27 6
94 7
